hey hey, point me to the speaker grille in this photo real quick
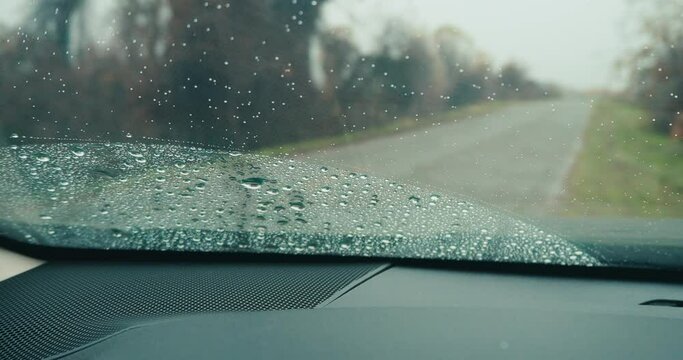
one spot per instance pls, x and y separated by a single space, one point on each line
59 307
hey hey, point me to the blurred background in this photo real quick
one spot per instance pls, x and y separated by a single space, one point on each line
564 108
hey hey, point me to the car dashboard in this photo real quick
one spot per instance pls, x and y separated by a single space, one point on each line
334 310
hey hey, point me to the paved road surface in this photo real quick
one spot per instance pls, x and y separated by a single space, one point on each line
516 158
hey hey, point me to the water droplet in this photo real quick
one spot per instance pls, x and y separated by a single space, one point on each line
414 199
297 206
253 183
78 152
14 136
42 157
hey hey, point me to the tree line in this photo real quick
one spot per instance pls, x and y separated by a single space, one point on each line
243 74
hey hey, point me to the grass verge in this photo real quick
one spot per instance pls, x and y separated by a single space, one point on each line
625 168
395 127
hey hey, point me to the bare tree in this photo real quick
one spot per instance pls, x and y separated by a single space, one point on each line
657 68
53 18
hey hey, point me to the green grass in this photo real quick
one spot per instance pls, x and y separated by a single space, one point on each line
625 168
395 127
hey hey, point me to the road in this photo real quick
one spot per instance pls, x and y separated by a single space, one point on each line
517 158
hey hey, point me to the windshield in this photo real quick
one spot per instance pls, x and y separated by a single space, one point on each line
453 130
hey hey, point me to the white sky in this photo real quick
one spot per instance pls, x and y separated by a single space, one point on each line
12 12
575 43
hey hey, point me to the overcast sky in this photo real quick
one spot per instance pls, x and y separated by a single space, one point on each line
13 11
572 42
575 43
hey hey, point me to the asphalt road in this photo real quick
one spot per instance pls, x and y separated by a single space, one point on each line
516 158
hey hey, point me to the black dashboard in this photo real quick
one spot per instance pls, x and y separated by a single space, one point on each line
137 310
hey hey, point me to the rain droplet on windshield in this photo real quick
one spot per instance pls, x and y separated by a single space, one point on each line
297 206
253 183
41 157
77 151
